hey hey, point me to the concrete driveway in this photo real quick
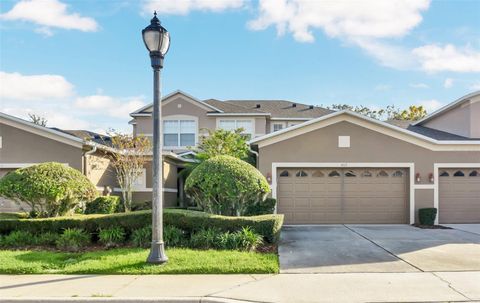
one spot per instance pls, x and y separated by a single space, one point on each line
377 248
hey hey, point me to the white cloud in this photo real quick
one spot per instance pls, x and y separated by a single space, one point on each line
33 87
183 7
55 118
419 85
382 87
448 83
435 58
48 14
351 20
431 105
107 105
474 86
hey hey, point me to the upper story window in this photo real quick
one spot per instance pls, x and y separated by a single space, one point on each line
277 126
179 133
233 124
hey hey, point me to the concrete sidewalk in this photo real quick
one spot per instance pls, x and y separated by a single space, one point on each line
333 287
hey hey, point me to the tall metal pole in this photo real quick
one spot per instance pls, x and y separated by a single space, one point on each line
157 252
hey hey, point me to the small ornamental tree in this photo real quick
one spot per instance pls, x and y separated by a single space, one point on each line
128 159
50 189
225 185
223 142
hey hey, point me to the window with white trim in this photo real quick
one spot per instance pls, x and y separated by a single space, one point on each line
232 125
141 181
277 126
179 133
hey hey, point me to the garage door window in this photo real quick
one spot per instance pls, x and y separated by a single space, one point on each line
334 174
318 174
474 174
284 174
366 174
382 174
444 174
350 173
301 174
459 173
397 174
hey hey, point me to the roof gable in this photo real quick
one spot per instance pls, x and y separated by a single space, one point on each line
147 109
355 118
40 130
447 108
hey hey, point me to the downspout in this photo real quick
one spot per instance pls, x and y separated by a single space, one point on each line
256 156
85 154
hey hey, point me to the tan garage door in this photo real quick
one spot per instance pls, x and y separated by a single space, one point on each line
459 195
336 195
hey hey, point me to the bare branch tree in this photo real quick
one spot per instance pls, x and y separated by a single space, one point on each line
128 159
38 120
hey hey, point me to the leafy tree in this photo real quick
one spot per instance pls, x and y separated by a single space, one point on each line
226 185
217 143
128 158
38 120
50 189
413 113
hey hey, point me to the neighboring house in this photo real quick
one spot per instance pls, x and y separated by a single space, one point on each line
186 119
23 143
347 168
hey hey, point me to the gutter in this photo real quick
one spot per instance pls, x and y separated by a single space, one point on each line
85 154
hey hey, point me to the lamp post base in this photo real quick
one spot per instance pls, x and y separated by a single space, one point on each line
157 253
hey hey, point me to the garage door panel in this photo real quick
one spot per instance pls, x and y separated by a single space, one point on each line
333 195
459 195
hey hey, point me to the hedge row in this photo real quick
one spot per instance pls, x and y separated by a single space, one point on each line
190 221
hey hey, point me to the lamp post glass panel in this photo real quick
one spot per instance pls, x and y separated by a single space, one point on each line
157 41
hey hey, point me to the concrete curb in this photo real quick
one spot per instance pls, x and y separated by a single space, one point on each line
121 300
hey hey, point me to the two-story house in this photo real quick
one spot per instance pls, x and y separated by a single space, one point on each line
186 119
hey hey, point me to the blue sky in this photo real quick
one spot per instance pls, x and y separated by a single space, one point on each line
82 64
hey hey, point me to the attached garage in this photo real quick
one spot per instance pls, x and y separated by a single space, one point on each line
343 195
459 195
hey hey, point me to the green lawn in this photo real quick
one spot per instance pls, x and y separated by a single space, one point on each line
132 261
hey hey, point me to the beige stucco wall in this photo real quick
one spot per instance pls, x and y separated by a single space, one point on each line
19 146
366 146
463 120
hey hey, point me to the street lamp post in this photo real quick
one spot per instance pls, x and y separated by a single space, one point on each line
157 41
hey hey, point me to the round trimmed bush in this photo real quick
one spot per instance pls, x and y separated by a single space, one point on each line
50 189
225 185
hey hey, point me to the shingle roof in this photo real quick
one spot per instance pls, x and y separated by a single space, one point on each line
87 135
276 108
428 132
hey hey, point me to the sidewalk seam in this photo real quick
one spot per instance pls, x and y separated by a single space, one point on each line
238 285
451 287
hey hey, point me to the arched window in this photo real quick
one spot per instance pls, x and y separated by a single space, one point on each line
350 173
459 173
367 174
301 173
284 173
397 173
474 173
334 173
318 174
444 174
382 174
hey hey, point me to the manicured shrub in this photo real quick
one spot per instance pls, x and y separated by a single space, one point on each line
226 185
111 237
142 237
264 207
187 220
102 205
47 239
173 236
244 239
73 239
19 238
50 189
427 216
